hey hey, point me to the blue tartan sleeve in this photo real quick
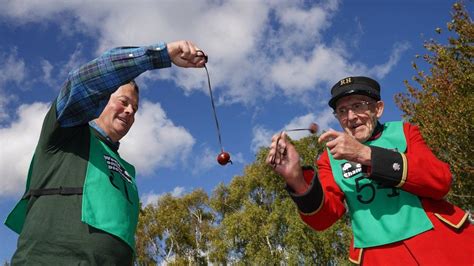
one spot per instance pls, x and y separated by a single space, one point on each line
86 91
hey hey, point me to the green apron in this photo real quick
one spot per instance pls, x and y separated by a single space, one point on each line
110 201
379 215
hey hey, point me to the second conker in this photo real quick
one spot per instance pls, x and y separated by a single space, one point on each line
313 128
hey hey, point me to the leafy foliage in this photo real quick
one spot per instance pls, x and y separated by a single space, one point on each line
176 230
443 105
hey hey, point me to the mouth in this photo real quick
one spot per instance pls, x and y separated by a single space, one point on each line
123 120
355 126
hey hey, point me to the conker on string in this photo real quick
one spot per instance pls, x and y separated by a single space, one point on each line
313 128
223 158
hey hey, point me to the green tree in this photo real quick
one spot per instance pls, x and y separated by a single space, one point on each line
175 230
443 104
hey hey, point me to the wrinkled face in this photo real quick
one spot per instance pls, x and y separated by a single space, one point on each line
119 113
358 115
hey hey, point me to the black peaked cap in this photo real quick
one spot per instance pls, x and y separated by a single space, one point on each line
354 85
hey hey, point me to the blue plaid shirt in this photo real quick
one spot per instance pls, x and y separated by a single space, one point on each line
86 92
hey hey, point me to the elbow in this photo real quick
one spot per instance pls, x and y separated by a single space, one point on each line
443 186
319 221
441 193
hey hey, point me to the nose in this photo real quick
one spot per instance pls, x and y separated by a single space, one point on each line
351 114
129 109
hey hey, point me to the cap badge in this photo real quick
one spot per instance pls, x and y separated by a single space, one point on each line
345 81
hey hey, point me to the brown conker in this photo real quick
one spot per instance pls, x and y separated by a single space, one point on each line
223 158
313 128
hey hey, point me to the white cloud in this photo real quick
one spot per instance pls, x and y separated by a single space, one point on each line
237 157
301 28
300 75
4 99
154 141
381 70
18 141
12 69
152 198
261 138
256 49
205 161
47 69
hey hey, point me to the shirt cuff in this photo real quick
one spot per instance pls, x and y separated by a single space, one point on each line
311 201
389 168
159 55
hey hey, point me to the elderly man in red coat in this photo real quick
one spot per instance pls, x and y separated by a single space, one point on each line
385 177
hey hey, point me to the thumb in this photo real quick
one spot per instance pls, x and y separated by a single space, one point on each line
328 136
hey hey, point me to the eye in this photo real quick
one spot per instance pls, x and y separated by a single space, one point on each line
357 106
341 111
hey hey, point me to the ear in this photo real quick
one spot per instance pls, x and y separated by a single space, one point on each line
379 106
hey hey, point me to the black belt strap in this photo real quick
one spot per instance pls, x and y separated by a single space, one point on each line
53 191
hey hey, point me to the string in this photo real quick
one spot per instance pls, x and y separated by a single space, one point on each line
214 109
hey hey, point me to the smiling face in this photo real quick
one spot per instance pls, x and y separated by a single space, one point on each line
119 113
358 115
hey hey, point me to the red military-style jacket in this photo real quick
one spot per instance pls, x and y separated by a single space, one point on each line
421 174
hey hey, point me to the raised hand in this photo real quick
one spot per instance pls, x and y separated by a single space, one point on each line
186 54
285 161
343 146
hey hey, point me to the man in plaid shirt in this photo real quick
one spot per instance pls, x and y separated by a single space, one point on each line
81 202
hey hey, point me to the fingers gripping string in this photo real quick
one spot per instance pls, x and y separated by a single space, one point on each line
200 53
281 153
273 160
277 152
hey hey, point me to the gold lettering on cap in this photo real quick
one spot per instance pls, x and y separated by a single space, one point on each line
345 81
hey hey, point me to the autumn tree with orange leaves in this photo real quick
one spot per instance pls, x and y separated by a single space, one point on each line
443 102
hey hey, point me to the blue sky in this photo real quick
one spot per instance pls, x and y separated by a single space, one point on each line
271 63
